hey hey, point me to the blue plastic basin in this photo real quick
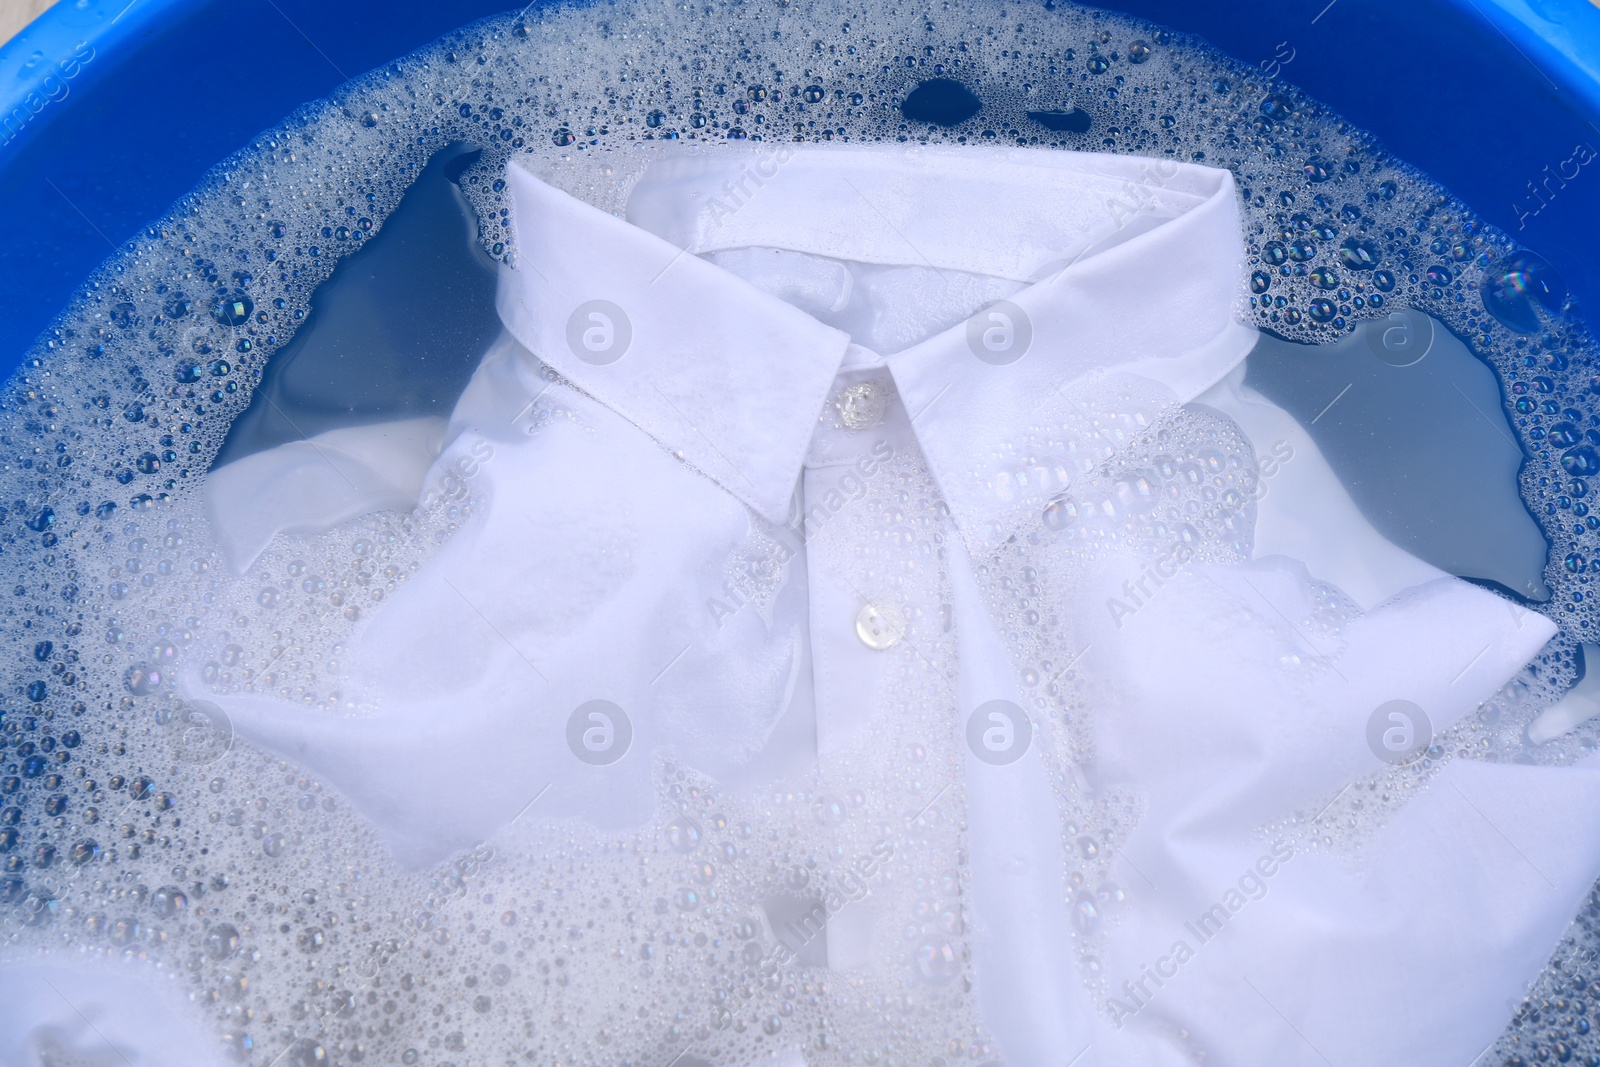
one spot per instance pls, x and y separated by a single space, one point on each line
112 110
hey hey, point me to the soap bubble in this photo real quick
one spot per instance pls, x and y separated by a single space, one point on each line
684 834
936 961
167 901
1517 289
1359 253
232 308
221 941
142 679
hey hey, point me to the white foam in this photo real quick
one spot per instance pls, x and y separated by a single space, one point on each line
130 394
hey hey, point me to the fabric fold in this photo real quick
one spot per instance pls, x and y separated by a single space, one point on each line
310 485
713 369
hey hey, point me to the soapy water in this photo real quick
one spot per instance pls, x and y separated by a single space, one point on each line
135 825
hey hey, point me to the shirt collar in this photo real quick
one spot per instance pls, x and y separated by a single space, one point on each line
1134 268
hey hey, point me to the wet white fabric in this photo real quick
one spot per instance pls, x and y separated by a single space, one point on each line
1305 513
1576 707
621 498
60 1013
309 485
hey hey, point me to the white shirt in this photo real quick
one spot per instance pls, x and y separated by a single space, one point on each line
819 453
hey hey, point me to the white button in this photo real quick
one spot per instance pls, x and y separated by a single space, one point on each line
880 626
861 406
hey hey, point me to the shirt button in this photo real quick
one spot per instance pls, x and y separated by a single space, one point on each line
880 626
861 406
